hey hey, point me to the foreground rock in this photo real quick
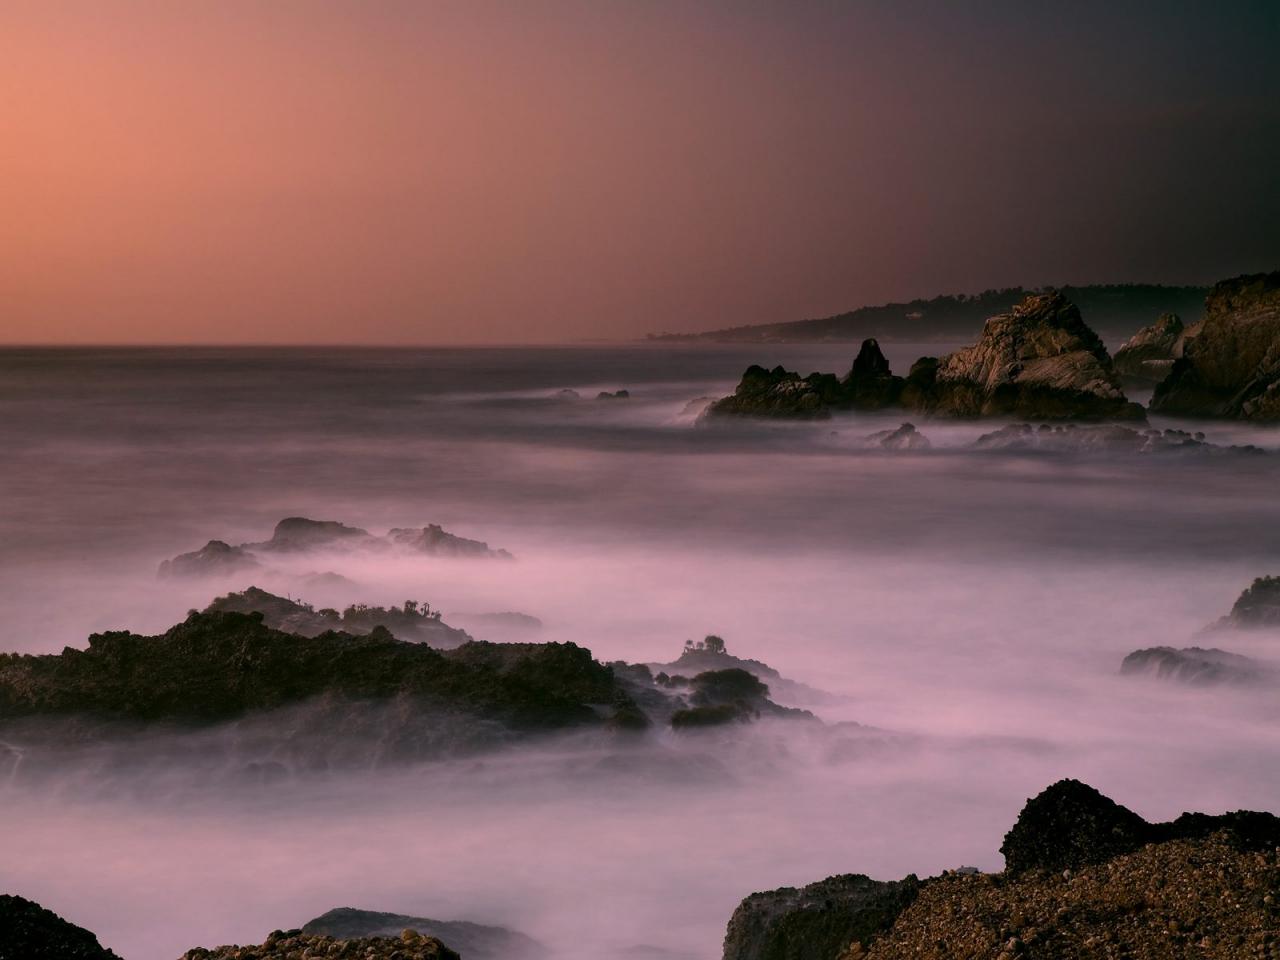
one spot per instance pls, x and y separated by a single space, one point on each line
817 921
1039 361
1148 356
296 945
1107 439
301 535
905 437
1195 666
473 940
414 621
1183 900
1084 878
30 932
1232 367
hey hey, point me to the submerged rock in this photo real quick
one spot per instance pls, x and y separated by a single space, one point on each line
214 559
1196 666
474 941
1149 354
1040 360
905 437
1232 367
616 395
30 932
435 541
1102 439
818 921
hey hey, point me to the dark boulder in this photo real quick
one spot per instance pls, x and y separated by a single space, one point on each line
1040 360
870 385
816 922
780 393
1232 367
30 932
905 437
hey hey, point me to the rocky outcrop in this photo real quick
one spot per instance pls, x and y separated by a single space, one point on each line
1148 356
472 940
1107 439
215 667
1040 361
818 921
615 395
780 393
299 535
435 541
1084 878
30 932
869 385
414 621
1195 666
712 654
1232 367
905 437
1183 900
1258 608
214 559
295 945
1071 824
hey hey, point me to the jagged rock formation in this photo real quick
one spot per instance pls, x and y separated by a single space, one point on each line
1102 439
905 437
1232 367
1149 354
414 621
1039 361
868 385
615 395
1195 666
296 945
434 540
780 393
818 921
215 558
1258 608
294 535
472 940
30 932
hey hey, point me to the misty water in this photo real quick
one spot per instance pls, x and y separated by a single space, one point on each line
972 608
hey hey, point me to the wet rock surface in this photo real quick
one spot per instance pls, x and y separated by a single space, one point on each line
296 945
30 932
1231 368
473 940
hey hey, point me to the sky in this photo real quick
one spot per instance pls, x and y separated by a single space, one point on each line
386 172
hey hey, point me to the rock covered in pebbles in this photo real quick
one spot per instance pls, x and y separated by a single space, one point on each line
296 945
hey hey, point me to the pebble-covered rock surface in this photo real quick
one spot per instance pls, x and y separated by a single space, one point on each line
295 945
1204 898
